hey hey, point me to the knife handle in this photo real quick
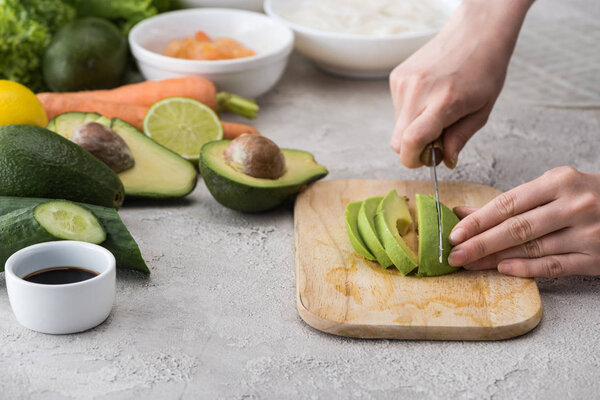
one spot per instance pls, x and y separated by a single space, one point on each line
438 147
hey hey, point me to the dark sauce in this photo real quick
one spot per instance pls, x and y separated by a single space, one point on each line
60 275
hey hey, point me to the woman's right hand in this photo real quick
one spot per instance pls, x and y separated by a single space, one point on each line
451 84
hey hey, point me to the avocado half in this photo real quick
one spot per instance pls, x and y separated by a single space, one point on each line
242 192
157 173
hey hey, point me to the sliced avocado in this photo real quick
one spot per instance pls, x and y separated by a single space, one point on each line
429 264
158 172
351 217
366 228
236 190
391 219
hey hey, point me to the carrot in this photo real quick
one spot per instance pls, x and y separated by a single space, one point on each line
149 92
231 130
60 103
133 114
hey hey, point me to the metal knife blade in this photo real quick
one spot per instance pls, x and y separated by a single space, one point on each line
432 156
437 202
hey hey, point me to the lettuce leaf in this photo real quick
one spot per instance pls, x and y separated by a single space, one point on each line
26 27
123 13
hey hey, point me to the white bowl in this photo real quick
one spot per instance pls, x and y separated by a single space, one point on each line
354 55
61 309
251 5
249 76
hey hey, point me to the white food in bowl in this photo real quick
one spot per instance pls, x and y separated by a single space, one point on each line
251 5
373 17
352 54
248 76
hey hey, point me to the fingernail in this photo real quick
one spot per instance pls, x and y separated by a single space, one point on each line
457 236
505 267
457 258
453 161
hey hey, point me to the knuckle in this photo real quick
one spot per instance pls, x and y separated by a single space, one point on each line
565 174
552 268
479 248
533 249
473 224
520 229
587 203
415 139
505 205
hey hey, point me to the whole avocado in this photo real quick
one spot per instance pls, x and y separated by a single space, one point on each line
36 162
86 54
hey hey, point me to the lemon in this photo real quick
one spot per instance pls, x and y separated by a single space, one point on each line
182 125
18 105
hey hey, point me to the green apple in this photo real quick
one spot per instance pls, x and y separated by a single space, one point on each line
392 219
366 228
429 263
351 218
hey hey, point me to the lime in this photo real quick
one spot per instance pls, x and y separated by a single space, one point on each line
183 125
18 105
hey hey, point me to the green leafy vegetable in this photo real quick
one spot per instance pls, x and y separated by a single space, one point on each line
26 27
124 13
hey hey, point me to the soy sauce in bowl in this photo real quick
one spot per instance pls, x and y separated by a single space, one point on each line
60 275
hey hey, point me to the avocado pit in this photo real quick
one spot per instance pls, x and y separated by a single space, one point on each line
104 144
256 156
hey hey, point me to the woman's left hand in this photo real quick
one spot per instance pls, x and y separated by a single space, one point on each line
548 227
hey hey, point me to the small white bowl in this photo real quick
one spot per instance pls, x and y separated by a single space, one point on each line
354 55
61 309
248 76
250 5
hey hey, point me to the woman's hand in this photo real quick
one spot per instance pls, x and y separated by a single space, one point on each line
549 227
451 84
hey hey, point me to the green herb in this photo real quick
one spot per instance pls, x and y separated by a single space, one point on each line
26 27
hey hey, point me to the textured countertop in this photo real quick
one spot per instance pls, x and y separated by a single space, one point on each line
217 318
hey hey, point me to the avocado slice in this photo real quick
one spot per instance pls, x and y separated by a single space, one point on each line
429 264
392 219
366 228
236 190
158 172
351 219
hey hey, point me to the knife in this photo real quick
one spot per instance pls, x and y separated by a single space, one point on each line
432 156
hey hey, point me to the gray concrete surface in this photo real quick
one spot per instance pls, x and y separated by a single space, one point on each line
217 318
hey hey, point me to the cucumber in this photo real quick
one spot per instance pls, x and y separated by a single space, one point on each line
118 239
52 220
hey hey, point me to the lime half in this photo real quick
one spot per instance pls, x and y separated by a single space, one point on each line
183 125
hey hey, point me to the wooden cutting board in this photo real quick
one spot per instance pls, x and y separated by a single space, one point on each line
340 292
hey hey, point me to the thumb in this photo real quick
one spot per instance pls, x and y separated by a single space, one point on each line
458 134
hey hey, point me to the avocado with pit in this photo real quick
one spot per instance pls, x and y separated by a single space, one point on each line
351 219
226 173
429 264
157 171
392 219
366 229
35 162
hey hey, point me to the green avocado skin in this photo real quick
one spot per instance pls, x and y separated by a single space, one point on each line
36 162
118 239
86 54
245 197
429 264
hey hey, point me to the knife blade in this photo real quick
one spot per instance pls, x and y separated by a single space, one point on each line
432 156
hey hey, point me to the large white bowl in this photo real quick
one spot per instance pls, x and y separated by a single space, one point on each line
249 76
354 55
251 5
